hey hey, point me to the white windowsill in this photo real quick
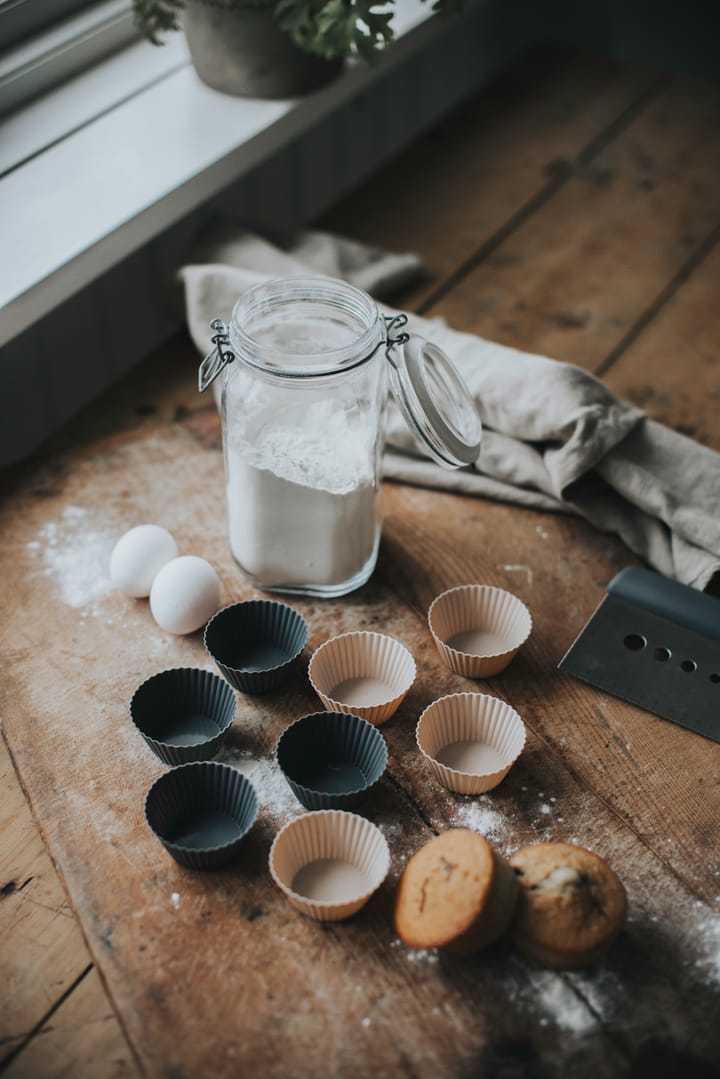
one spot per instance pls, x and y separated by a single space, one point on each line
35 127
90 199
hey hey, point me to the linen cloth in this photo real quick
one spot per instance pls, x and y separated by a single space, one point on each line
554 437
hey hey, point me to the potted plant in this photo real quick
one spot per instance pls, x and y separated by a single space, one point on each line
272 48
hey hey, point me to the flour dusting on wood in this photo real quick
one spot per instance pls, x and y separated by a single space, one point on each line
401 841
274 795
705 930
75 554
481 817
561 1003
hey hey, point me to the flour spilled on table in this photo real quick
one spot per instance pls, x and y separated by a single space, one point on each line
429 956
75 552
274 794
402 843
424 955
480 816
560 1003
706 934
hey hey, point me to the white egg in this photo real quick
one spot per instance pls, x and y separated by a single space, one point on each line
185 594
138 556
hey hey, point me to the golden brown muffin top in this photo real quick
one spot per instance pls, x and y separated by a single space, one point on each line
444 889
571 900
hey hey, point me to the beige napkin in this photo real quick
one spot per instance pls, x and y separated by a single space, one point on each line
554 437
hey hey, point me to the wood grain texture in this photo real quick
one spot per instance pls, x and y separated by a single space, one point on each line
612 748
453 190
41 944
672 369
214 974
44 956
575 277
222 957
615 235
82 1040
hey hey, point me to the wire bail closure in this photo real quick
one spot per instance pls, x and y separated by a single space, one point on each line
219 356
395 322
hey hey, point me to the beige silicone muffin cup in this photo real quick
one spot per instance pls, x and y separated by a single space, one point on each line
499 620
362 672
329 863
475 725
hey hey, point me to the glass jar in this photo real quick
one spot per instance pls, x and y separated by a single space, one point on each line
303 417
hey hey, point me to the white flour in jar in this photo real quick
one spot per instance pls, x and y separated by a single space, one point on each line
301 495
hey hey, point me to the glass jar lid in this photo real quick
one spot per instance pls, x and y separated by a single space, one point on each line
435 402
432 396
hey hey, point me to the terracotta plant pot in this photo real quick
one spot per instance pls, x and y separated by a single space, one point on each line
241 51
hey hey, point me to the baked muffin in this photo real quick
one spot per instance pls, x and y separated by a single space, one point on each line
455 893
571 905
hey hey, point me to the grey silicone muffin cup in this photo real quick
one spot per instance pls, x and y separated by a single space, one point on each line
183 714
201 813
331 759
257 645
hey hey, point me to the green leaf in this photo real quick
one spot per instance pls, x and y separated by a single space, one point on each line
359 28
155 17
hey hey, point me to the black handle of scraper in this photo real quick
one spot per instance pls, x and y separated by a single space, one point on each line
662 596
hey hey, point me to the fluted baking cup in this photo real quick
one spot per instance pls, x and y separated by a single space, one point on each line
331 759
365 673
329 863
183 714
470 740
201 813
257 645
478 629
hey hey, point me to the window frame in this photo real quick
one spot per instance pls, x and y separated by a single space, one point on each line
21 19
54 54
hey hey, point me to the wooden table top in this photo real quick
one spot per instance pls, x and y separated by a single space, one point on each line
570 208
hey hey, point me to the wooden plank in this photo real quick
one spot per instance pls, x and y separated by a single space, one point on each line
43 956
43 951
552 794
82 1040
672 369
636 763
153 935
604 247
452 190
576 276
221 958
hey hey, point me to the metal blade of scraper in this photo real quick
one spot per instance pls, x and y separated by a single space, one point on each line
656 644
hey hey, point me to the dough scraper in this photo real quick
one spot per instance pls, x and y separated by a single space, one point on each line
655 643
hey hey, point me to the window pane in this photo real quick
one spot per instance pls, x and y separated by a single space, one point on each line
82 34
22 18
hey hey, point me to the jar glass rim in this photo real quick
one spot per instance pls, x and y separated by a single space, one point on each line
278 294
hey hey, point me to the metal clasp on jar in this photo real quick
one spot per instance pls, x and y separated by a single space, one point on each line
218 358
394 322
